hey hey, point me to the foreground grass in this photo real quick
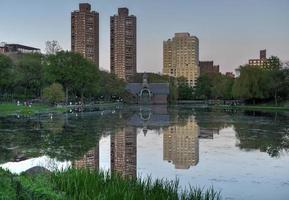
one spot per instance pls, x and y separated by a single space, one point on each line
85 184
12 109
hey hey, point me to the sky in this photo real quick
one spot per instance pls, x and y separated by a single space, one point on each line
230 31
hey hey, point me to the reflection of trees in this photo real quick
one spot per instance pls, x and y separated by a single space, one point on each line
259 132
69 137
64 139
267 132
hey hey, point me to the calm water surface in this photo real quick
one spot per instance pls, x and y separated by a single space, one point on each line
243 154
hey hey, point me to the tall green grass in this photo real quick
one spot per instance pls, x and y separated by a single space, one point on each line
82 184
86 184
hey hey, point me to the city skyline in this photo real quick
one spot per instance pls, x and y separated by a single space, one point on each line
227 35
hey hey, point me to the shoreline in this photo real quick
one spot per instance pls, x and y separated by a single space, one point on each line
7 109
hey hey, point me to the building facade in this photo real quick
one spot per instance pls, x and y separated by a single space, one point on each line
261 62
17 49
208 67
149 93
181 57
181 144
123 58
85 32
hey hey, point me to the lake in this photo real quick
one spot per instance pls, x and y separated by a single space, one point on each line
243 154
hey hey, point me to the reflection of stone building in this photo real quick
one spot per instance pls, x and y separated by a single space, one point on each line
123 152
181 144
90 160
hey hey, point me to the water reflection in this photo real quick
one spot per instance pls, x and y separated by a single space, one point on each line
124 152
249 150
90 160
181 144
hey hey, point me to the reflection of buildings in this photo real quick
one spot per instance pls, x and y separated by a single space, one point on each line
123 152
181 144
90 160
208 133
153 117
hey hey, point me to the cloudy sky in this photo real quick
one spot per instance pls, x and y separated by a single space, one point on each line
230 31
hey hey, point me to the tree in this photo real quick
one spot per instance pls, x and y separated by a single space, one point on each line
52 47
203 87
221 86
253 83
73 71
6 74
185 92
29 75
54 93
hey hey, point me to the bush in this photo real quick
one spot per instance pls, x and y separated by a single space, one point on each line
54 93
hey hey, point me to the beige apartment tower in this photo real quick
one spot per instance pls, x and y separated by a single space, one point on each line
85 32
123 44
181 57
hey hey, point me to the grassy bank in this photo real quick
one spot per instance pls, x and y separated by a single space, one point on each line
12 109
255 107
84 184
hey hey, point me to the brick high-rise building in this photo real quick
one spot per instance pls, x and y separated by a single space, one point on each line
85 32
181 57
208 67
123 44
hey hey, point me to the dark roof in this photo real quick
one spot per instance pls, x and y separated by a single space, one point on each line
155 88
16 46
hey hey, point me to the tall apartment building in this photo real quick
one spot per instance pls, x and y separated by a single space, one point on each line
85 32
123 44
181 57
181 144
124 152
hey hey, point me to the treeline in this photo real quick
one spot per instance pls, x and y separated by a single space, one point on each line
254 84
62 76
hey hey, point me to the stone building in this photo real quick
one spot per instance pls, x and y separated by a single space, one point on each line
85 32
149 93
123 44
181 57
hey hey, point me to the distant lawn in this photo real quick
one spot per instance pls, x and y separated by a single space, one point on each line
259 107
12 109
